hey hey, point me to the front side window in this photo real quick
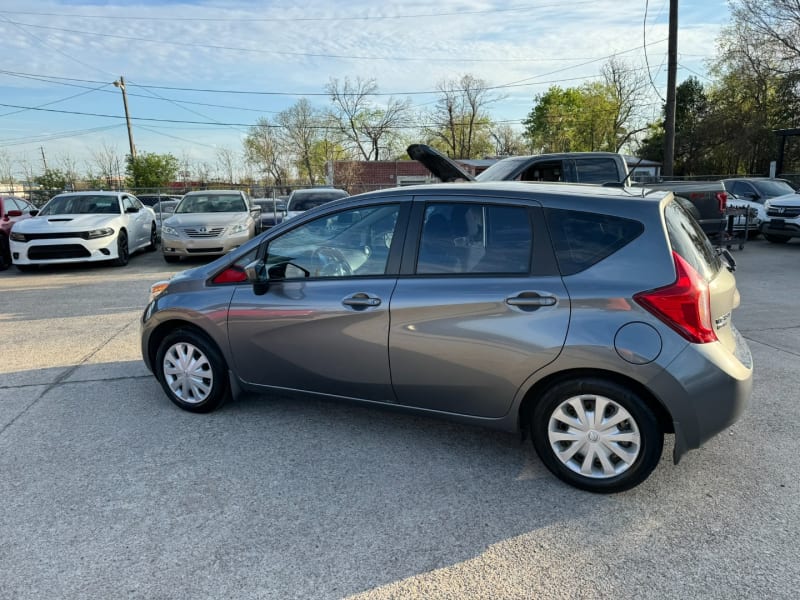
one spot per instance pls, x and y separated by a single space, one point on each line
475 238
349 243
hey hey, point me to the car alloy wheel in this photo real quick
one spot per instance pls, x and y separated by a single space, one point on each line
597 435
192 371
122 250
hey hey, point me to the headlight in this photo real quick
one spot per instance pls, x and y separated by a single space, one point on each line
169 230
18 237
98 233
238 228
158 288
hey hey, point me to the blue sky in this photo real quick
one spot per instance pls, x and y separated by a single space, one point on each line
64 56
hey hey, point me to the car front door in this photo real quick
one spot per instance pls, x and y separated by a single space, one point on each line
478 307
322 325
137 221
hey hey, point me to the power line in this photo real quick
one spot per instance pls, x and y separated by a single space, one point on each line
460 13
427 59
15 112
55 136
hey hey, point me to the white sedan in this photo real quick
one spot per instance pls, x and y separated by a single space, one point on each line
84 227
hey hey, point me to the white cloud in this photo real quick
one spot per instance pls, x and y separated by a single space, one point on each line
298 56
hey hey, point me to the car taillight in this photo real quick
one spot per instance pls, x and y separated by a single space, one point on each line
685 305
722 199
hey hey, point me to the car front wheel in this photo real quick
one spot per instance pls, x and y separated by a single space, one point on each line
192 371
596 435
153 239
123 254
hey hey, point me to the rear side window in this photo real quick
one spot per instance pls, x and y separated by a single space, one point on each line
596 170
689 240
476 239
582 239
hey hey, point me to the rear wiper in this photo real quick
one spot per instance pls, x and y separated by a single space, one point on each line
730 262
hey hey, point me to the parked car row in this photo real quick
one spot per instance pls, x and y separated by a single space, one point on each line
109 226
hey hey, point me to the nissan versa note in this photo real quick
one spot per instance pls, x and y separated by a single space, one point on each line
594 320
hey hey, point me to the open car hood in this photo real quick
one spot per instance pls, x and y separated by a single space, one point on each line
437 163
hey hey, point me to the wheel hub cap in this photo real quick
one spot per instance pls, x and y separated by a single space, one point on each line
594 436
188 373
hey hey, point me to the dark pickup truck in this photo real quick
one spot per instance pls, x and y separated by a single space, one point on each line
707 201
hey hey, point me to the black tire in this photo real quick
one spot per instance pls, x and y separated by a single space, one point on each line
615 475
151 247
5 253
207 388
123 253
171 259
776 238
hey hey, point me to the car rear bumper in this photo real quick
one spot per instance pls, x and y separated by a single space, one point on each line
706 389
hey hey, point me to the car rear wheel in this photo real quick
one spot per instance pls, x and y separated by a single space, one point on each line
596 435
123 254
776 238
192 371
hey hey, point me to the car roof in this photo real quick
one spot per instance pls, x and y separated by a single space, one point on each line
521 188
211 192
96 193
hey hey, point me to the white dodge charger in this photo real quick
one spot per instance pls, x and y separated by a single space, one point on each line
84 227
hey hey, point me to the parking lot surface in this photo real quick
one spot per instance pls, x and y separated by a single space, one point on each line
107 490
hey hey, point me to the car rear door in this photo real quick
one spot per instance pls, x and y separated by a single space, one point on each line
473 317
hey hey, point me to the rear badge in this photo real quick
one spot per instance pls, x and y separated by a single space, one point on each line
722 321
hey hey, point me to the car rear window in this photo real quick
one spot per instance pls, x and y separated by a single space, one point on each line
582 239
689 240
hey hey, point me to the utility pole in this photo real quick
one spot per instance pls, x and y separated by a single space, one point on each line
120 83
672 69
44 160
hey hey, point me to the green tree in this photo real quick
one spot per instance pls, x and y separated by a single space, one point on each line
53 179
151 170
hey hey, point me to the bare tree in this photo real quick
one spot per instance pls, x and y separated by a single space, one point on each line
507 141
6 171
371 130
263 149
107 160
627 88
776 23
227 162
460 120
69 166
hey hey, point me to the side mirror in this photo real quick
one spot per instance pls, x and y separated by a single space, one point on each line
34 212
131 209
256 272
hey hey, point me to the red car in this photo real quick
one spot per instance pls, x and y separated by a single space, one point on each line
12 209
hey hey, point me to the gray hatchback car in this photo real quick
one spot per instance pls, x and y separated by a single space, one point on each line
593 320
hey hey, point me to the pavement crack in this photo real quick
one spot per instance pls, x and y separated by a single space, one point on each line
774 347
65 375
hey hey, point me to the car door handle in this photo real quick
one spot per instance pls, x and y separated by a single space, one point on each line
361 301
531 301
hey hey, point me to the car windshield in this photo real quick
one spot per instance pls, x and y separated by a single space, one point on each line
211 203
307 200
773 188
165 207
81 204
502 170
